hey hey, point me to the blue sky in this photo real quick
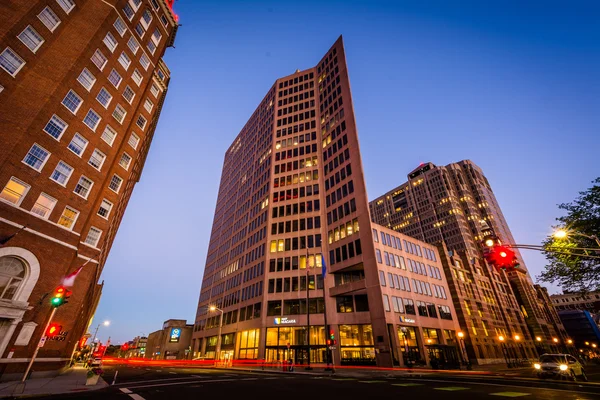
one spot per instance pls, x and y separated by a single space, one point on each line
514 87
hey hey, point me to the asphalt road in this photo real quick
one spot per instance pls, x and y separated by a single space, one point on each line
150 383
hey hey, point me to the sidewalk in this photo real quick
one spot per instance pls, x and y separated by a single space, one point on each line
71 381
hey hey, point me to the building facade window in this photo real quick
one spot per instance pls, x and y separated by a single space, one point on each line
87 79
115 183
36 157
68 218
145 61
62 173
12 274
72 101
109 135
148 105
31 38
137 77
133 45
83 187
44 205
141 122
93 236
97 159
110 42
154 89
92 119
66 5
134 140
128 94
78 144
125 60
105 208
125 161
11 62
49 19
55 127
119 113
15 191
99 59
115 78
104 97
120 26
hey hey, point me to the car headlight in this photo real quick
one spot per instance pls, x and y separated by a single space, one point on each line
537 366
563 367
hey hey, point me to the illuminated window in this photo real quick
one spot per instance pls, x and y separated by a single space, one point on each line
68 217
273 246
44 206
14 191
280 245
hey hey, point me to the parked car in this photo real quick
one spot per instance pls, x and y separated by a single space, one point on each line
560 366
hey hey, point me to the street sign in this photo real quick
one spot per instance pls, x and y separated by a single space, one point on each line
332 347
42 341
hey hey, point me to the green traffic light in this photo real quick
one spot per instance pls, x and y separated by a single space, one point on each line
57 301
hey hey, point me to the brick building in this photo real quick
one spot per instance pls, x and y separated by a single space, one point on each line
82 83
446 206
292 191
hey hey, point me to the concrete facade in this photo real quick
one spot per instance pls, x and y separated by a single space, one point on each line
82 84
172 342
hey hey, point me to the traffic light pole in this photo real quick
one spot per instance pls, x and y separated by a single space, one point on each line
37 347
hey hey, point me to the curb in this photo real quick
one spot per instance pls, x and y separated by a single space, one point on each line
98 386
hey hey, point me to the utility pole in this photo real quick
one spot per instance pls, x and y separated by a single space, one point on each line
37 348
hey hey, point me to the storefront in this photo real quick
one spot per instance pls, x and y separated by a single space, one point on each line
441 356
409 345
356 345
285 343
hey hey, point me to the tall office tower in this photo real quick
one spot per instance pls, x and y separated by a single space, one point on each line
82 83
292 190
446 206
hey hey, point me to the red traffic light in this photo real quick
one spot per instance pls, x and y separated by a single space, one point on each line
501 257
53 330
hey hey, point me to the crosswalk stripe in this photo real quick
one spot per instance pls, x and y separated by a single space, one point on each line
371 381
510 394
452 388
407 384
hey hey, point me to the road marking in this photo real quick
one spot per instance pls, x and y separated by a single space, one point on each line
136 397
183 383
407 384
125 390
370 381
452 388
249 379
175 373
510 394
161 380
343 379
148 369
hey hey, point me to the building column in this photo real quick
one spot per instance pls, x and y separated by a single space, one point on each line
421 344
8 334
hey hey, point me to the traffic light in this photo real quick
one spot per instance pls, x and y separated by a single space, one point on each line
501 257
53 330
60 296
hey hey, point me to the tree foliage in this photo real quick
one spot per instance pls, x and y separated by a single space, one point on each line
576 273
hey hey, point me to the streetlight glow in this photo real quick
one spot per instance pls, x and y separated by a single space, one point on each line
555 340
570 341
460 335
106 323
539 339
501 338
212 308
517 338
489 243
560 234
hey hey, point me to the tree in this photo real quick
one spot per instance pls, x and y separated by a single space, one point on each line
576 273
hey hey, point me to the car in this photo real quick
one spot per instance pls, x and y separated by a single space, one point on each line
560 366
96 362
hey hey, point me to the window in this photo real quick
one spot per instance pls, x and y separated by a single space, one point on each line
141 122
99 59
14 191
129 94
72 101
156 36
97 159
66 5
78 144
12 273
115 78
115 183
105 208
344 304
93 236
139 29
124 60
154 89
83 187
44 205
62 173
110 42
125 161
146 18
133 45
148 105
49 19
135 4
151 47
104 97
119 113
137 77
31 38
86 79
378 254
129 13
134 140
145 61
382 278
164 20
386 303
109 135
36 157
68 217
11 62
92 119
120 26
55 127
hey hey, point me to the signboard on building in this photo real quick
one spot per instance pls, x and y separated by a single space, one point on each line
284 321
175 335
407 320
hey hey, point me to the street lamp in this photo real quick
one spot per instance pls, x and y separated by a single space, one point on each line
463 349
563 234
218 349
105 323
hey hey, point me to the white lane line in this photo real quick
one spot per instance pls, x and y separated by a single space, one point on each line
125 390
183 383
136 397
498 384
175 373
192 379
148 369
